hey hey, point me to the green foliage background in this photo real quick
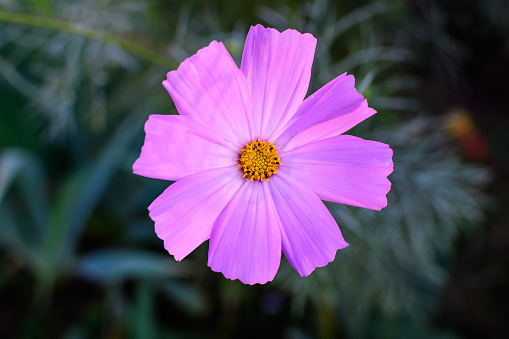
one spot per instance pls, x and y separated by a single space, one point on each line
79 258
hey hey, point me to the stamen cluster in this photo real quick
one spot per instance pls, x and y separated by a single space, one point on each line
259 160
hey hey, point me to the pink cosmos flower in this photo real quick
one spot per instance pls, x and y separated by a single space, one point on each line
252 159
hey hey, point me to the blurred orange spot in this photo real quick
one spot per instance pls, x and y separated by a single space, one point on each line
461 127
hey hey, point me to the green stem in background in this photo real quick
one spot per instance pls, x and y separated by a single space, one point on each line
325 322
62 26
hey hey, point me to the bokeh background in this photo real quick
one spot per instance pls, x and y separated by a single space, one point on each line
78 254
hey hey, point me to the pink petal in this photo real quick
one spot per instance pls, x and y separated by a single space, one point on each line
277 67
185 212
330 111
246 241
309 233
343 169
177 146
210 88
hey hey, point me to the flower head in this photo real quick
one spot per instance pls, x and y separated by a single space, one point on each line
252 159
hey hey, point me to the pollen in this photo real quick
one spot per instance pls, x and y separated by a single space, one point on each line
259 160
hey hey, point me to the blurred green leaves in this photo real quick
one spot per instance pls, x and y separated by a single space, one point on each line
24 234
119 265
89 33
49 243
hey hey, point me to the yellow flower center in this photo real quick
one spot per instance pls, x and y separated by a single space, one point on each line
259 160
